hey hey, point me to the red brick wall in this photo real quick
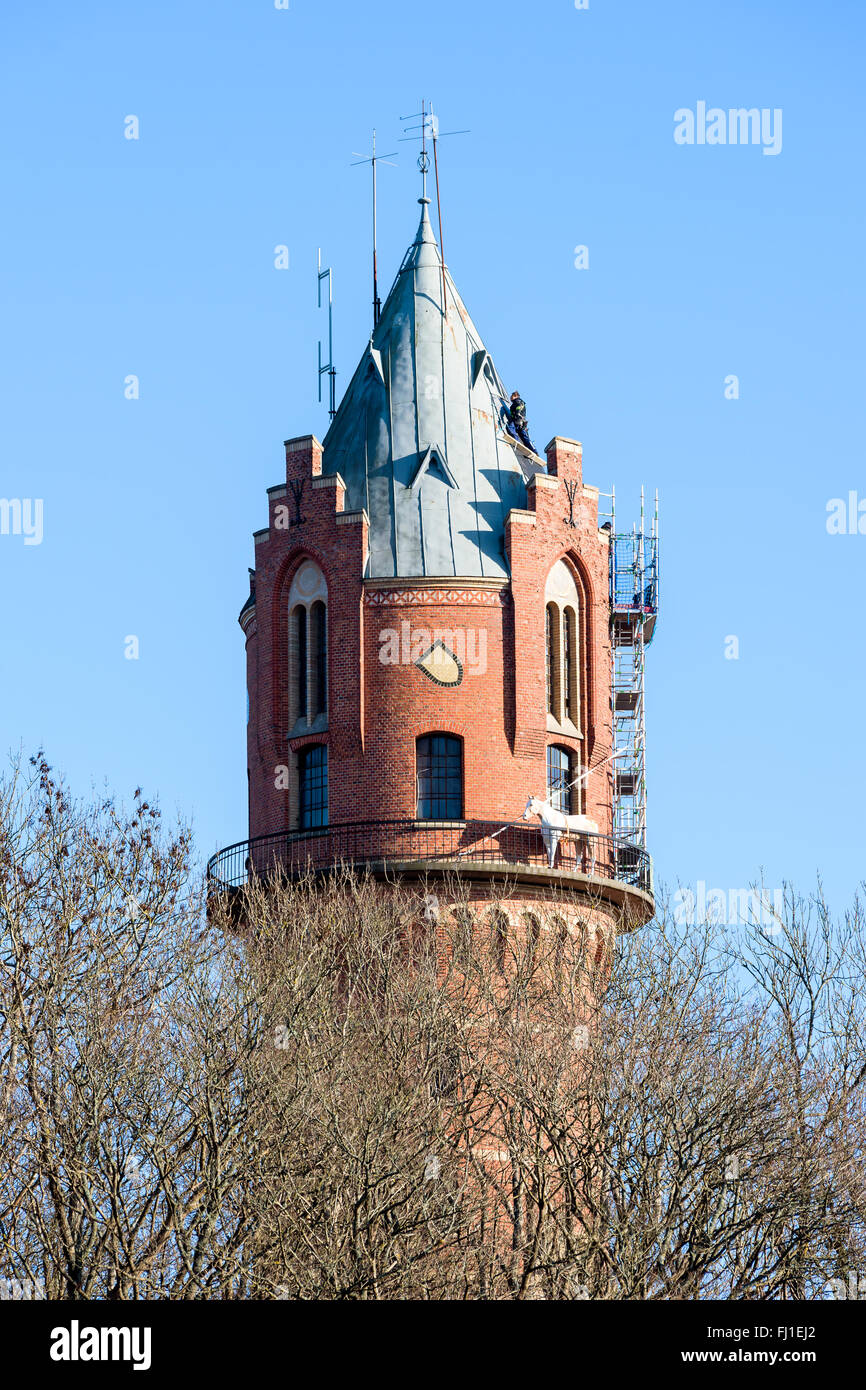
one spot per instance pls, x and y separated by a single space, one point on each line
376 711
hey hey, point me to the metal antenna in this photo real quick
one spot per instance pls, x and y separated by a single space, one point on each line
328 367
374 159
435 134
430 124
423 158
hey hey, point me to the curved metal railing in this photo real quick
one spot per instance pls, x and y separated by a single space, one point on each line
380 843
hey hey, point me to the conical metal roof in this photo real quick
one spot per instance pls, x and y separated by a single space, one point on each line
418 436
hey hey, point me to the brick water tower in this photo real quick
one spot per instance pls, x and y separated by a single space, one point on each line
438 628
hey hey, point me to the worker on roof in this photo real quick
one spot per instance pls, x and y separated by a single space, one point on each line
520 427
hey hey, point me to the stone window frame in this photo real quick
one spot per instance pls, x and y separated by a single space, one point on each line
307 648
565 654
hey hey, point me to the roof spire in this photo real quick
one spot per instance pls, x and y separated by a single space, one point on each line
419 435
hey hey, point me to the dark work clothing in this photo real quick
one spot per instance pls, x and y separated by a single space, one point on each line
517 411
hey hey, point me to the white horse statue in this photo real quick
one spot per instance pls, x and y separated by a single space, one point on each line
555 824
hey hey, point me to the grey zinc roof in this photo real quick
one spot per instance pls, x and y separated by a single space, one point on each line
417 436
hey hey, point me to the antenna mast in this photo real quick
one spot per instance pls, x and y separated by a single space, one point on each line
430 122
328 367
373 160
423 158
434 130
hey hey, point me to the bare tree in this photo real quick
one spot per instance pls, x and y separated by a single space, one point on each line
121 1055
334 1094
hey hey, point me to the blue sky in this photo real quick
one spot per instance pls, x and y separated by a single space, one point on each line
155 257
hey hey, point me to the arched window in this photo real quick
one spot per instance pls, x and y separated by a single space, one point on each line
562 610
560 774
439 777
308 649
313 786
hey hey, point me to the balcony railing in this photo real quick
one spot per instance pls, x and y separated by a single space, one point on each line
383 843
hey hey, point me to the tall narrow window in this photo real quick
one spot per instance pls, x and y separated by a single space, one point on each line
319 638
439 764
569 663
560 775
301 668
313 783
552 655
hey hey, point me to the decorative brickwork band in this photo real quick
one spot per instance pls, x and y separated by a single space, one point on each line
489 598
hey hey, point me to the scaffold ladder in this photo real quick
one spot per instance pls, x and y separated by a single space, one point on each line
633 611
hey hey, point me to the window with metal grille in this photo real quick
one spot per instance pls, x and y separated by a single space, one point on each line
313 783
559 778
439 763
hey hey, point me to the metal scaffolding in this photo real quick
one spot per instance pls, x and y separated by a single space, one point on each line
634 593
